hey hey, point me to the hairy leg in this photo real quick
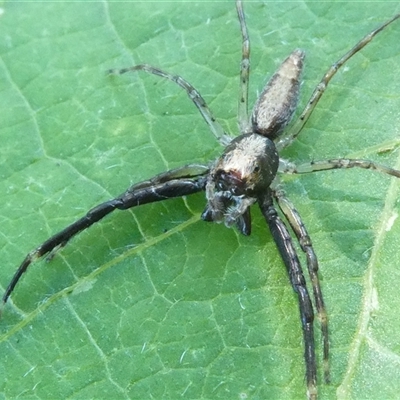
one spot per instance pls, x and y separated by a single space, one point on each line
295 221
193 94
294 131
175 183
287 251
337 163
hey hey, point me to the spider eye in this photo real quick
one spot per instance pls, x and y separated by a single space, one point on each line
236 191
229 181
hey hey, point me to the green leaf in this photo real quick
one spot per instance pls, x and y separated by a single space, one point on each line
154 302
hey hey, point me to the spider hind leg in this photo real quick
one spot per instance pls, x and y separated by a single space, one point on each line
192 93
320 89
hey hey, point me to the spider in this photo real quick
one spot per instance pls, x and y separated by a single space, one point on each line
246 173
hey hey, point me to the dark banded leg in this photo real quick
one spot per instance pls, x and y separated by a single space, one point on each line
304 240
175 183
287 251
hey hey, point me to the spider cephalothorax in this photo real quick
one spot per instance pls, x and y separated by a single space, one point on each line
245 169
245 174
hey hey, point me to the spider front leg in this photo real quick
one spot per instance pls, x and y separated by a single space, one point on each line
287 251
174 183
295 221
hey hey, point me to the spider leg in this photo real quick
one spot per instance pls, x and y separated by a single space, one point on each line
174 183
243 108
193 94
295 221
322 85
287 251
324 165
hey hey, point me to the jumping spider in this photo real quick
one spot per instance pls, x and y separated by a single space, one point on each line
246 173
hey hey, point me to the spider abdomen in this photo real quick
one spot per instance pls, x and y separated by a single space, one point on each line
278 101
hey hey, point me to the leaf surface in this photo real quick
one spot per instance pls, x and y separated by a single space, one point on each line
154 302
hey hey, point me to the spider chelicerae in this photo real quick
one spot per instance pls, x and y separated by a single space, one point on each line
245 174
